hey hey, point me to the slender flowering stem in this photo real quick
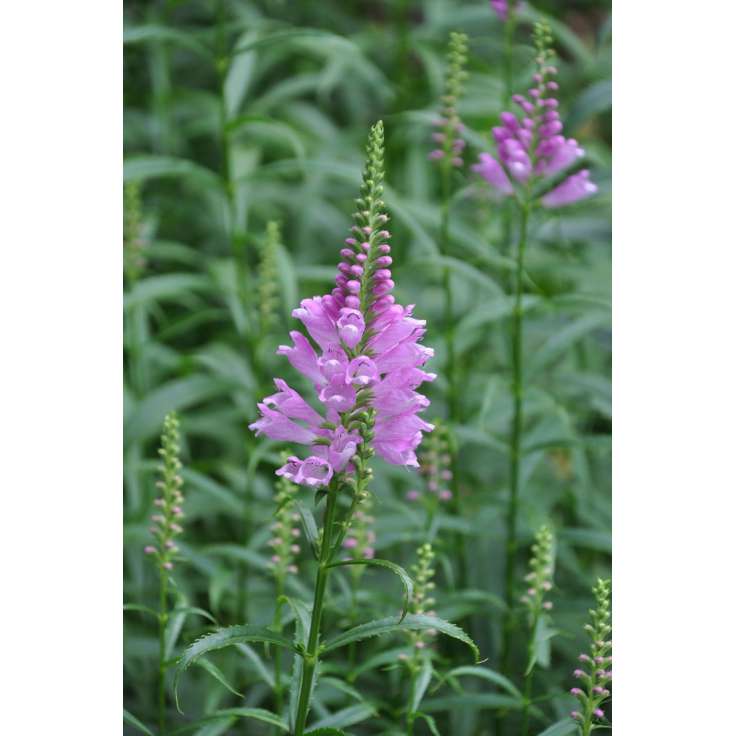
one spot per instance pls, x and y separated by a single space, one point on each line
517 388
311 655
365 376
165 528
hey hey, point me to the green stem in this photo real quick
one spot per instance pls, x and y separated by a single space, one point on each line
409 712
277 685
528 683
311 656
163 618
516 435
509 28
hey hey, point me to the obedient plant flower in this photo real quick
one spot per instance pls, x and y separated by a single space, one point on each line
364 359
450 145
531 146
541 571
284 544
594 672
502 8
435 467
166 521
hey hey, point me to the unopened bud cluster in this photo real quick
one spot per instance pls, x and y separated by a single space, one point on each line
284 543
422 601
594 671
541 572
268 274
133 243
450 144
166 520
435 467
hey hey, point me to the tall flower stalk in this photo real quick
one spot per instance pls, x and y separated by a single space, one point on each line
284 546
506 10
594 672
421 602
536 165
165 529
539 582
365 376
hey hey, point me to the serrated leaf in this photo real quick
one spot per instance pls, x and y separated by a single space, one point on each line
218 674
412 622
396 569
131 720
302 617
225 638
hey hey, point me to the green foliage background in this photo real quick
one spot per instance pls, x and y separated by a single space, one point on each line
237 113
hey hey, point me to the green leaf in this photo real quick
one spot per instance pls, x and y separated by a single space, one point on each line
412 622
145 167
258 663
431 723
218 674
562 340
396 569
347 716
476 701
592 101
258 714
540 651
302 617
485 673
326 732
421 684
173 630
561 728
310 527
142 609
131 720
186 610
149 33
225 638
172 286
146 418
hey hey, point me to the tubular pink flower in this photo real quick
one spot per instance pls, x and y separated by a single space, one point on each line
364 358
531 148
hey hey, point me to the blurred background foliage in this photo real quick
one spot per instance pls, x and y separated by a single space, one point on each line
241 113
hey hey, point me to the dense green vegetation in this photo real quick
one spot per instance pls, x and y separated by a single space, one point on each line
245 133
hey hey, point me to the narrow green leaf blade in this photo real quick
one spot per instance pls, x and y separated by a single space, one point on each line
131 720
396 569
412 622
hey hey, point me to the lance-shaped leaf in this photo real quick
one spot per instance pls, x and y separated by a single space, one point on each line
412 622
221 639
397 569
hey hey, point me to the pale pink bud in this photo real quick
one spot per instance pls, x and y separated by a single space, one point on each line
149 550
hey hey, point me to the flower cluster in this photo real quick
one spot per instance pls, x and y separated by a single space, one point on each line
361 537
166 521
285 530
421 601
268 277
449 124
435 467
531 147
595 670
367 361
502 8
541 570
